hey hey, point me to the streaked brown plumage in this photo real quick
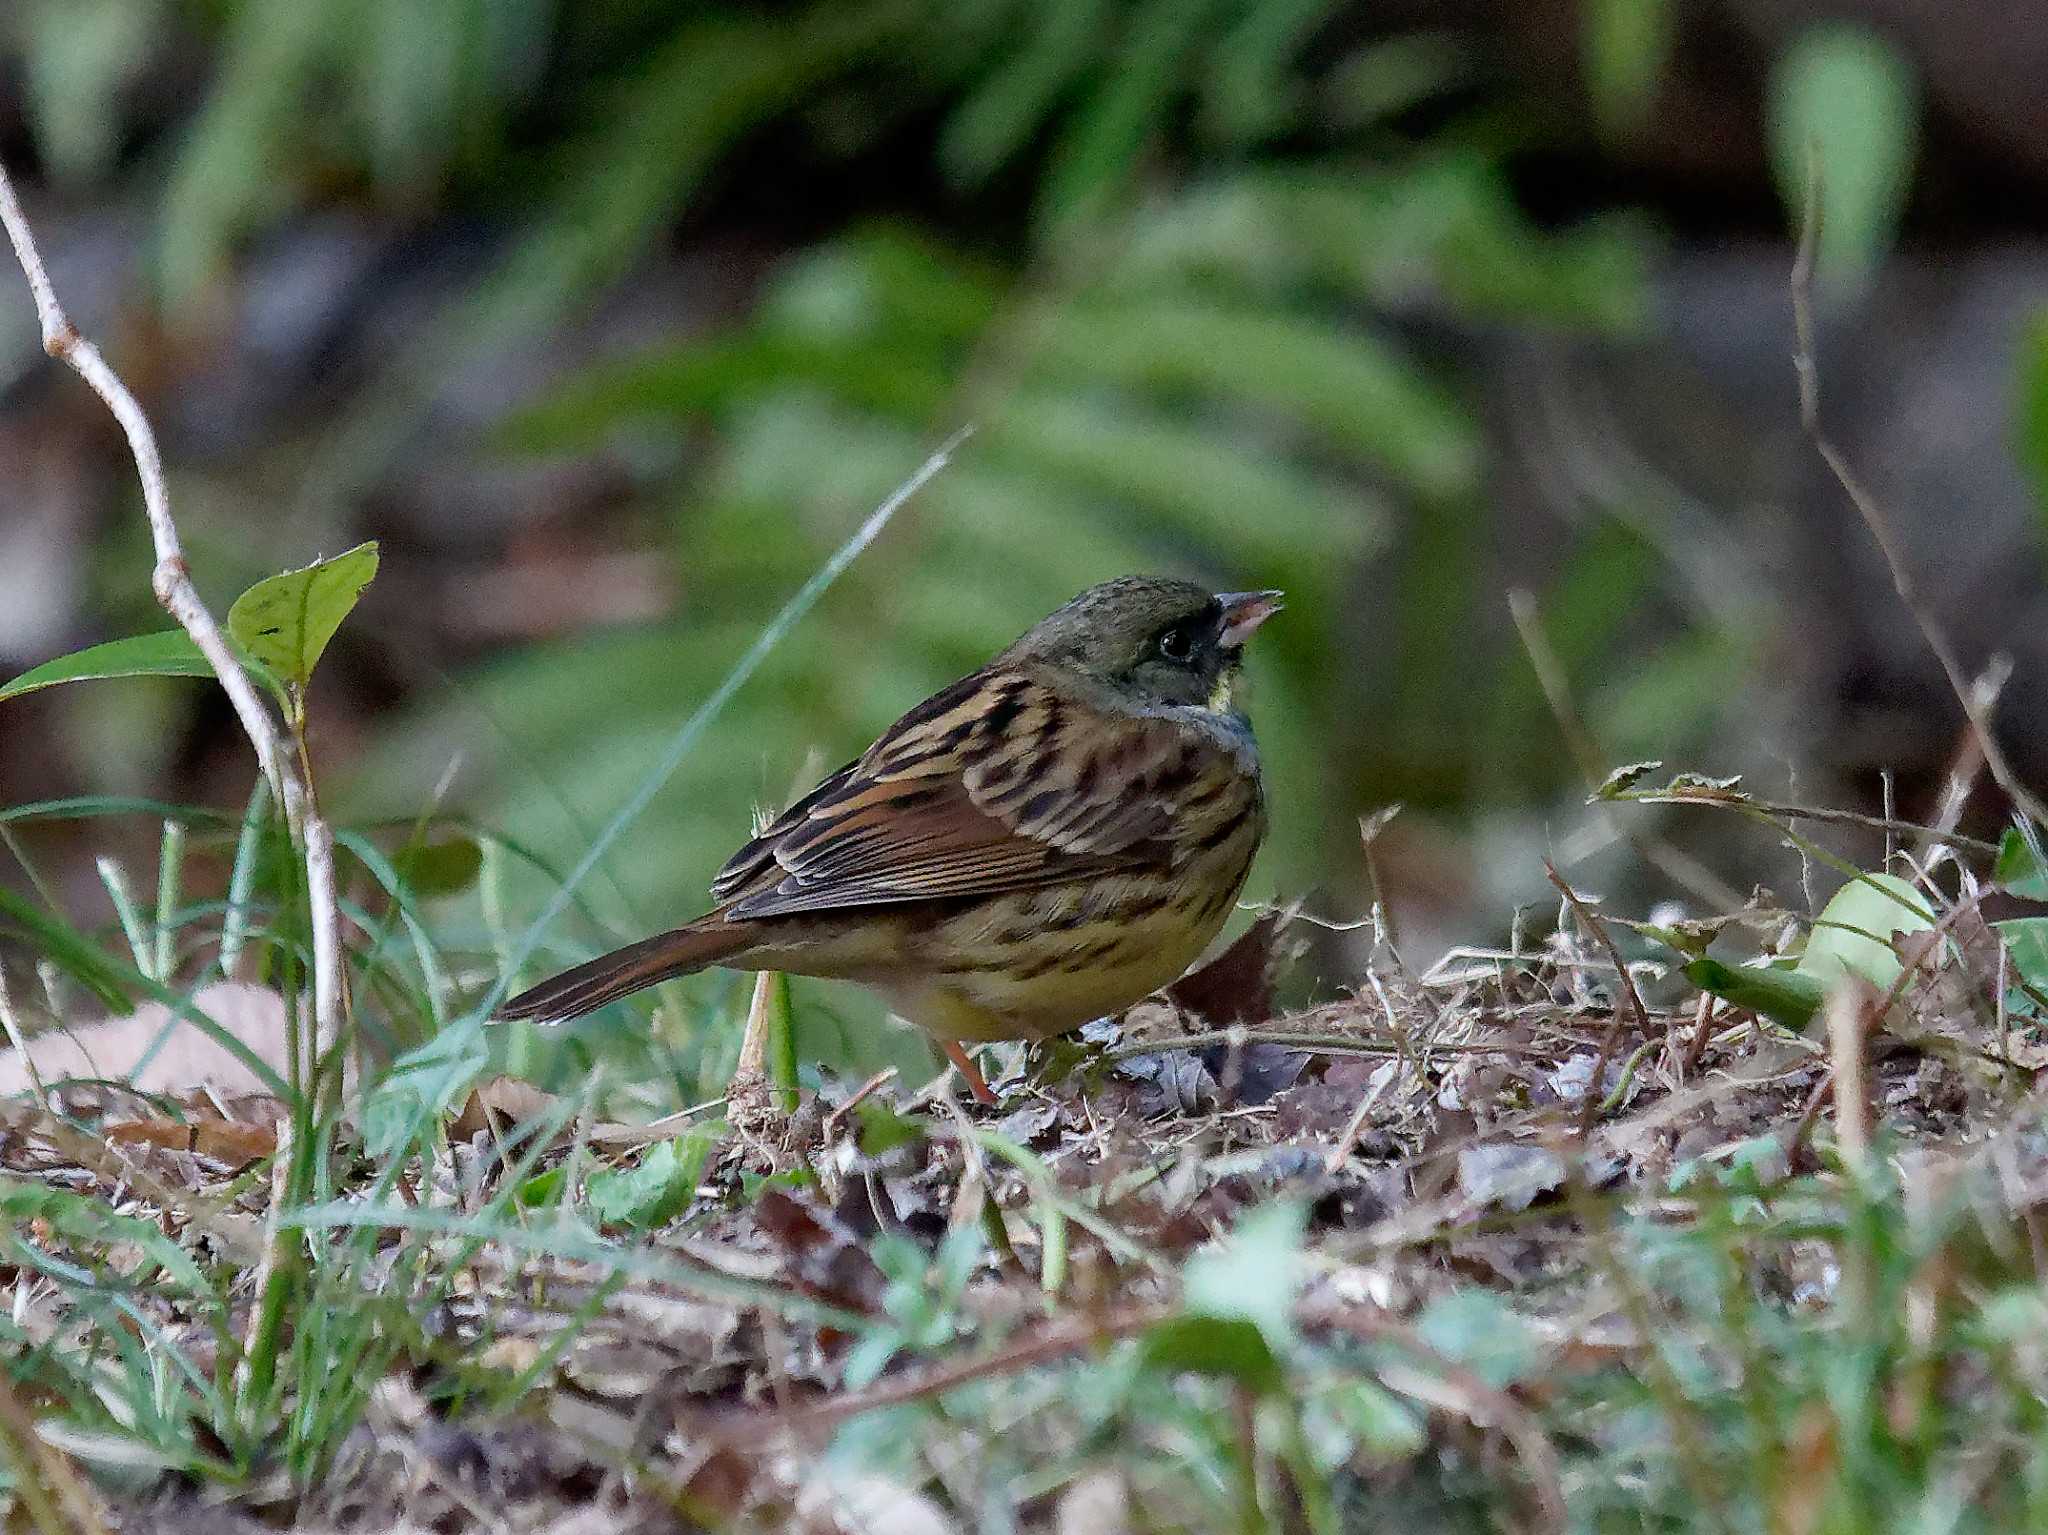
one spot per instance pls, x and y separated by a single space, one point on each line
1044 842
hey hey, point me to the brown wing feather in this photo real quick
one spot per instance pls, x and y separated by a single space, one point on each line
998 783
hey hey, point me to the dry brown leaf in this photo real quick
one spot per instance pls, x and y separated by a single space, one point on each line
503 1100
219 1140
187 1059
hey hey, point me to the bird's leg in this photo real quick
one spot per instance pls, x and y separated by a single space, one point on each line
964 1064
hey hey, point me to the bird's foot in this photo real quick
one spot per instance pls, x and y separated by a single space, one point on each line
969 1072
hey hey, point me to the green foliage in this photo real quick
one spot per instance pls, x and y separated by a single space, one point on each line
278 628
74 1218
1844 104
1626 44
1852 935
656 1189
1785 995
285 621
2021 868
169 653
2031 396
921 1299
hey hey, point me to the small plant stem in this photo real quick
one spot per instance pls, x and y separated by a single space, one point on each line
1593 1104
234 926
274 1285
1931 629
115 878
11 1026
1685 870
170 870
172 583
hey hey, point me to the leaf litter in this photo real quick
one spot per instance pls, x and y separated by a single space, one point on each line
1383 1202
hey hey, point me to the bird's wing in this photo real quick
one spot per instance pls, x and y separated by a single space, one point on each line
998 783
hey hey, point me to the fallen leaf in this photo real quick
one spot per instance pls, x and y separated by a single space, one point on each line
219 1140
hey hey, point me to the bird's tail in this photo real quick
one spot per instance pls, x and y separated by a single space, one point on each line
624 971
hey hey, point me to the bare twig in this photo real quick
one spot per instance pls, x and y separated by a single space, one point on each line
1685 870
1886 823
1055 1341
1850 1019
1803 366
1628 985
172 583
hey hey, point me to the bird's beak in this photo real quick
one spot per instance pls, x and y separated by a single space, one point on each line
1243 612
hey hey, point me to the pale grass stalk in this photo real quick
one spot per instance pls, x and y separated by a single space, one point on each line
11 1026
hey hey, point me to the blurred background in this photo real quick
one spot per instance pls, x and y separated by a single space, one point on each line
610 319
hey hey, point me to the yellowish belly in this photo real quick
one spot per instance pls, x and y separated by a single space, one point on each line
1042 962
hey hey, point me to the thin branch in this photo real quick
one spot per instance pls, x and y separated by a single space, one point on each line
1308 1043
1887 823
172 582
1046 1345
1599 931
1808 374
1682 868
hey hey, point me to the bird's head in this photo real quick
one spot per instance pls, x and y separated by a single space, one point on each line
1152 639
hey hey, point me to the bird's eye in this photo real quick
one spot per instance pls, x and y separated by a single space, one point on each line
1177 644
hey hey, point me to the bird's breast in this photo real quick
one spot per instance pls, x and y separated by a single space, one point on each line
1039 962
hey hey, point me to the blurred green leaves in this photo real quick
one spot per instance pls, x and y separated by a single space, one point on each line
1626 44
1844 103
78 54
2031 394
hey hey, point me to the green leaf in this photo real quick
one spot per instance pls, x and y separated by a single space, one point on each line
445 867
1484 1332
2026 939
883 1130
1852 934
1254 1273
1784 996
422 1086
655 1191
285 621
1626 45
2019 868
1846 96
541 1190
2031 408
995 120
1232 1347
1103 145
168 653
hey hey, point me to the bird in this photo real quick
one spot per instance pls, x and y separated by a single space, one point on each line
1045 842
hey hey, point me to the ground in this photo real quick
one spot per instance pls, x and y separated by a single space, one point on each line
1505 1245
